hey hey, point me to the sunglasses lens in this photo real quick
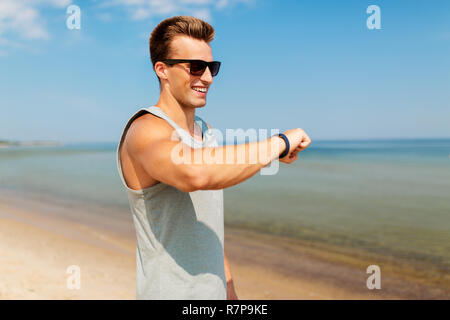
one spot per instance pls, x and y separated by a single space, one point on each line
214 68
197 68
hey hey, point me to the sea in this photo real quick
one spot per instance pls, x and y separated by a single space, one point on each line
378 199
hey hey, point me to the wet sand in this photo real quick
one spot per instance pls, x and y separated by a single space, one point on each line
37 247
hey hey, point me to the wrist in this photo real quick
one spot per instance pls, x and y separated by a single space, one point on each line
286 144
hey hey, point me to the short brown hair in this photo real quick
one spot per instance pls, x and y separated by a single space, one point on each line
167 29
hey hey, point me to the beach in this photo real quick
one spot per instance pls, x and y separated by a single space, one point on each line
310 231
36 248
35 256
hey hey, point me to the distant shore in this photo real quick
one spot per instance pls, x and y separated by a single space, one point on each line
35 143
36 248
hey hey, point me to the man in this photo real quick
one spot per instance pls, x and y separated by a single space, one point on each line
178 206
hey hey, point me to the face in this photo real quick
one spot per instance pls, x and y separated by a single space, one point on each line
183 86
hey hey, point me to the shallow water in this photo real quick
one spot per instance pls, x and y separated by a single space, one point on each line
389 198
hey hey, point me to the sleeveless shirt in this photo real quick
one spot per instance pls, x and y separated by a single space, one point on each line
180 235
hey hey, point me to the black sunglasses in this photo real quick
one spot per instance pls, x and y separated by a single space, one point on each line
197 67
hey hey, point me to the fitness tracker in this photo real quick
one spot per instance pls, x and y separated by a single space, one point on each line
286 140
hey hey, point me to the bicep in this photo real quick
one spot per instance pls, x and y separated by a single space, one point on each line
163 159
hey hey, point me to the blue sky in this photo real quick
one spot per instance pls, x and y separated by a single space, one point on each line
285 64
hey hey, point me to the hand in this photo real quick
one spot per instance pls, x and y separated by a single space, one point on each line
299 141
231 293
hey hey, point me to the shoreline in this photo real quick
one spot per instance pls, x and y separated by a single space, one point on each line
326 273
38 243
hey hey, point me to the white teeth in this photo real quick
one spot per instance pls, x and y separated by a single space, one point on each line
200 89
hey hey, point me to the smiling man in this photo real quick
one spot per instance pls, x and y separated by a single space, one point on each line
178 207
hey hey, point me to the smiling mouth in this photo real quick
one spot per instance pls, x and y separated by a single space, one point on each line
200 89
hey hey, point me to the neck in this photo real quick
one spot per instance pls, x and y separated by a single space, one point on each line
183 115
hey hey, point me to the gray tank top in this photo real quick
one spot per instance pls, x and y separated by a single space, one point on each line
179 234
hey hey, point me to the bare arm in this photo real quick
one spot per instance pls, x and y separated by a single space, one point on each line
233 164
231 292
174 163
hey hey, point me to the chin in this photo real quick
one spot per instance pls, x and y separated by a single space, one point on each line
198 104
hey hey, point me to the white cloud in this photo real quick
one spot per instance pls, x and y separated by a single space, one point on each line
143 9
20 19
221 4
203 14
105 17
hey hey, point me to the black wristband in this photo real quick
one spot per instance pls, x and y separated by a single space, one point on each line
286 151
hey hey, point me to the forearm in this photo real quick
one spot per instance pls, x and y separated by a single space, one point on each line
225 166
228 276
231 292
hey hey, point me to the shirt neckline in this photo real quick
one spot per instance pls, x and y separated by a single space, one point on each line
187 132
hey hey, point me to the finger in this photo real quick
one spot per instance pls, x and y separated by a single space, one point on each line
300 147
293 154
305 142
308 138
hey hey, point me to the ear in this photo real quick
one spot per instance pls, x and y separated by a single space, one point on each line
161 70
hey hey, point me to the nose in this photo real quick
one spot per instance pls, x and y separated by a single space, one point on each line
206 76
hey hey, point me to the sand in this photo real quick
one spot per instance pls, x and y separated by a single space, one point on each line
36 249
34 261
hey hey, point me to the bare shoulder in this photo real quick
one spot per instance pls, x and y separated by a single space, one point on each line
146 130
